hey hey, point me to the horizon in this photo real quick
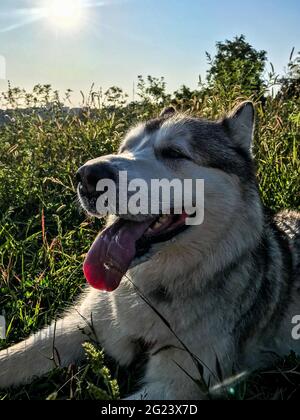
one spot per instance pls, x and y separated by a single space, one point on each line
110 43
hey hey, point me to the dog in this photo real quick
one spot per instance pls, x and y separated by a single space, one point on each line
221 295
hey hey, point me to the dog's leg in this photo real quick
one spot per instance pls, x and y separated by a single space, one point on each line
61 343
56 345
167 378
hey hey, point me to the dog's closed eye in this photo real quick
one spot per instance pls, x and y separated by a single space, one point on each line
173 154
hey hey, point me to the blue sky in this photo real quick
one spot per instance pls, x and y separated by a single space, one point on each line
118 40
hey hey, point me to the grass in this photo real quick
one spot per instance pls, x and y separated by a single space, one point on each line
44 236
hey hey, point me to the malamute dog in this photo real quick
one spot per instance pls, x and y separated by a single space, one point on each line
225 293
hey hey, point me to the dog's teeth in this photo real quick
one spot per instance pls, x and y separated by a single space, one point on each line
157 225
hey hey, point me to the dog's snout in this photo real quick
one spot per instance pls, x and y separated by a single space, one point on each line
90 174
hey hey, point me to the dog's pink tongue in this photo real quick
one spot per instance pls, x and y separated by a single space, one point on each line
111 254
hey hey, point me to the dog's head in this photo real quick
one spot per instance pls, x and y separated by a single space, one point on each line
173 147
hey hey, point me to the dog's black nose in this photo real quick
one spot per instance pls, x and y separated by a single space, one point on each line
90 174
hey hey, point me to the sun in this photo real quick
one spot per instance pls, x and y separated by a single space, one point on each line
65 14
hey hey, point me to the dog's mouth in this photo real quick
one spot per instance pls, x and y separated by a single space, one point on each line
122 244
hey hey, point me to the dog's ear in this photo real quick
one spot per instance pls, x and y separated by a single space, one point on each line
240 123
168 112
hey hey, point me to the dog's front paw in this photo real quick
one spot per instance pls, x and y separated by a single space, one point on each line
5 374
138 396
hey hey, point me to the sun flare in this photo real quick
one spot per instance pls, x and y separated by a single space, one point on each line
65 13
